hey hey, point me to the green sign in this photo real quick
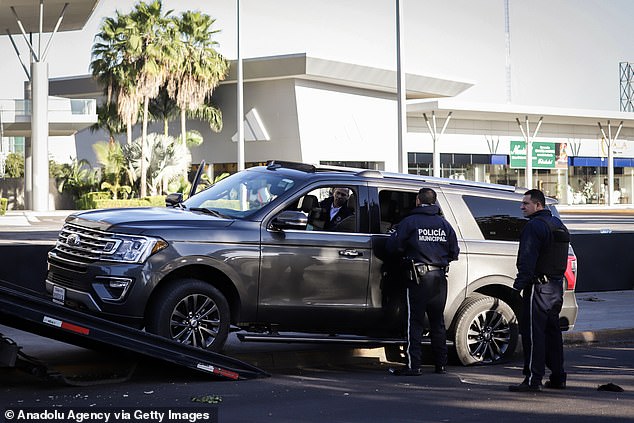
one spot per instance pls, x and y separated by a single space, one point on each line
543 155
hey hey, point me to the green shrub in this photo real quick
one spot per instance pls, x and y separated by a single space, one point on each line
156 200
88 200
3 206
115 204
14 166
103 200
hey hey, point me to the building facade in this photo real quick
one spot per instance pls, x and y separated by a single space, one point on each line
311 110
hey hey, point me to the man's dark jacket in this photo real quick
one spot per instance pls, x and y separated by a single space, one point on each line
343 212
539 253
426 237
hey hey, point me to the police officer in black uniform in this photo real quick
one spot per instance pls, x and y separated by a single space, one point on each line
541 264
427 243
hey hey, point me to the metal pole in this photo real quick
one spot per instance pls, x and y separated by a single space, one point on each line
435 156
59 22
400 88
526 136
610 142
529 157
39 135
507 39
240 99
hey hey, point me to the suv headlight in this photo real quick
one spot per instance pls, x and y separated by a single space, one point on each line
131 249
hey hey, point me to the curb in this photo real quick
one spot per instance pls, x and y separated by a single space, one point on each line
602 336
629 211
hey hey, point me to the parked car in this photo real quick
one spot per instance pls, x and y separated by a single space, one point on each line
250 254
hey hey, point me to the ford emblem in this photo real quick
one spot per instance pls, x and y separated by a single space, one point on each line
73 240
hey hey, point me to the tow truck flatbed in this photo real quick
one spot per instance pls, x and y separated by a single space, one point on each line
30 313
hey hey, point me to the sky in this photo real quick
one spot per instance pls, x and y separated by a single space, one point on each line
564 53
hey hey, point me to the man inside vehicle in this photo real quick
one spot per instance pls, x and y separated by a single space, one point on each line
336 208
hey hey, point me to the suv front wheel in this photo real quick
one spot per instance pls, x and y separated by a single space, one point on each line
191 312
485 331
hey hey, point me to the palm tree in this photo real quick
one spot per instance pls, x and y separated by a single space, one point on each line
108 119
112 67
200 68
136 54
163 108
152 48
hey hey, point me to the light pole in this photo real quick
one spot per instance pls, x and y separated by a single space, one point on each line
239 96
400 88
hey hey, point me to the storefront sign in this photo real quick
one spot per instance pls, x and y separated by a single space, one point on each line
543 155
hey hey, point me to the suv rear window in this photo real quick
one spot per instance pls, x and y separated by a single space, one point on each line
498 219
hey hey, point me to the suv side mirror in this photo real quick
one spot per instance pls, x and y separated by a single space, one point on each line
290 219
173 199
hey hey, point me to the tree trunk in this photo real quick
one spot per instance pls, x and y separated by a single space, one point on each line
184 138
143 193
183 126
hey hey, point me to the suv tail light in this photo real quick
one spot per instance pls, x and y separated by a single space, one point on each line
571 270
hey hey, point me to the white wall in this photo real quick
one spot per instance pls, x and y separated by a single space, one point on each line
346 126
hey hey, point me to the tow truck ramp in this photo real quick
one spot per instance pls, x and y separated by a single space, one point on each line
34 314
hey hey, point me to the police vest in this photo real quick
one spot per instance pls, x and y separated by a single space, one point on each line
553 259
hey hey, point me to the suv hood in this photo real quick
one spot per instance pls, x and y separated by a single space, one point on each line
145 220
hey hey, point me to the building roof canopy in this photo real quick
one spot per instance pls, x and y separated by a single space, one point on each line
511 112
309 68
75 16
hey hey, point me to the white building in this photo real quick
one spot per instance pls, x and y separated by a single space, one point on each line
319 111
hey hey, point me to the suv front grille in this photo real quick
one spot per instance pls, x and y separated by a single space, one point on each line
66 281
82 244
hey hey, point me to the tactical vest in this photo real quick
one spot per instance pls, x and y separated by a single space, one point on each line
553 259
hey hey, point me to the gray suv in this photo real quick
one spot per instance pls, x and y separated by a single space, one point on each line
251 253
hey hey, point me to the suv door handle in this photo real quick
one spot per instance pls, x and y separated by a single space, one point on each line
350 253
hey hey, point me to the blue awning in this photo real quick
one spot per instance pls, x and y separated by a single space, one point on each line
600 161
499 159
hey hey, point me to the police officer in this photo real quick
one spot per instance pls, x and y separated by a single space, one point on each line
428 243
541 263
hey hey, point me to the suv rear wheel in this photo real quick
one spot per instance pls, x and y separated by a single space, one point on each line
191 312
485 331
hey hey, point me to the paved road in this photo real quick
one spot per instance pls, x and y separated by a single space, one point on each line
360 390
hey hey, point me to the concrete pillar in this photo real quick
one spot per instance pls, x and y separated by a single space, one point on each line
28 162
39 135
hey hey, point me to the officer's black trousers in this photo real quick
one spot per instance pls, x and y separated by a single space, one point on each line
427 297
541 333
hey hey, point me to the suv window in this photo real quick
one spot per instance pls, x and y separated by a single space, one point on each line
320 206
242 194
394 206
498 219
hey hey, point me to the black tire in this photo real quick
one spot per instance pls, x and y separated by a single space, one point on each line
191 312
486 331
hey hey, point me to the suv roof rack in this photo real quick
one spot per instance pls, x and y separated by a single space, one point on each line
276 164
448 181
371 173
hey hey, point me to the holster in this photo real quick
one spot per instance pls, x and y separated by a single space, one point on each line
418 270
540 280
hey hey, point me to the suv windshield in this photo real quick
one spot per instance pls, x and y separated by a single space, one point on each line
241 194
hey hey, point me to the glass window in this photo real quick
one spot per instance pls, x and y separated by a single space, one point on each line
329 208
241 194
498 219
